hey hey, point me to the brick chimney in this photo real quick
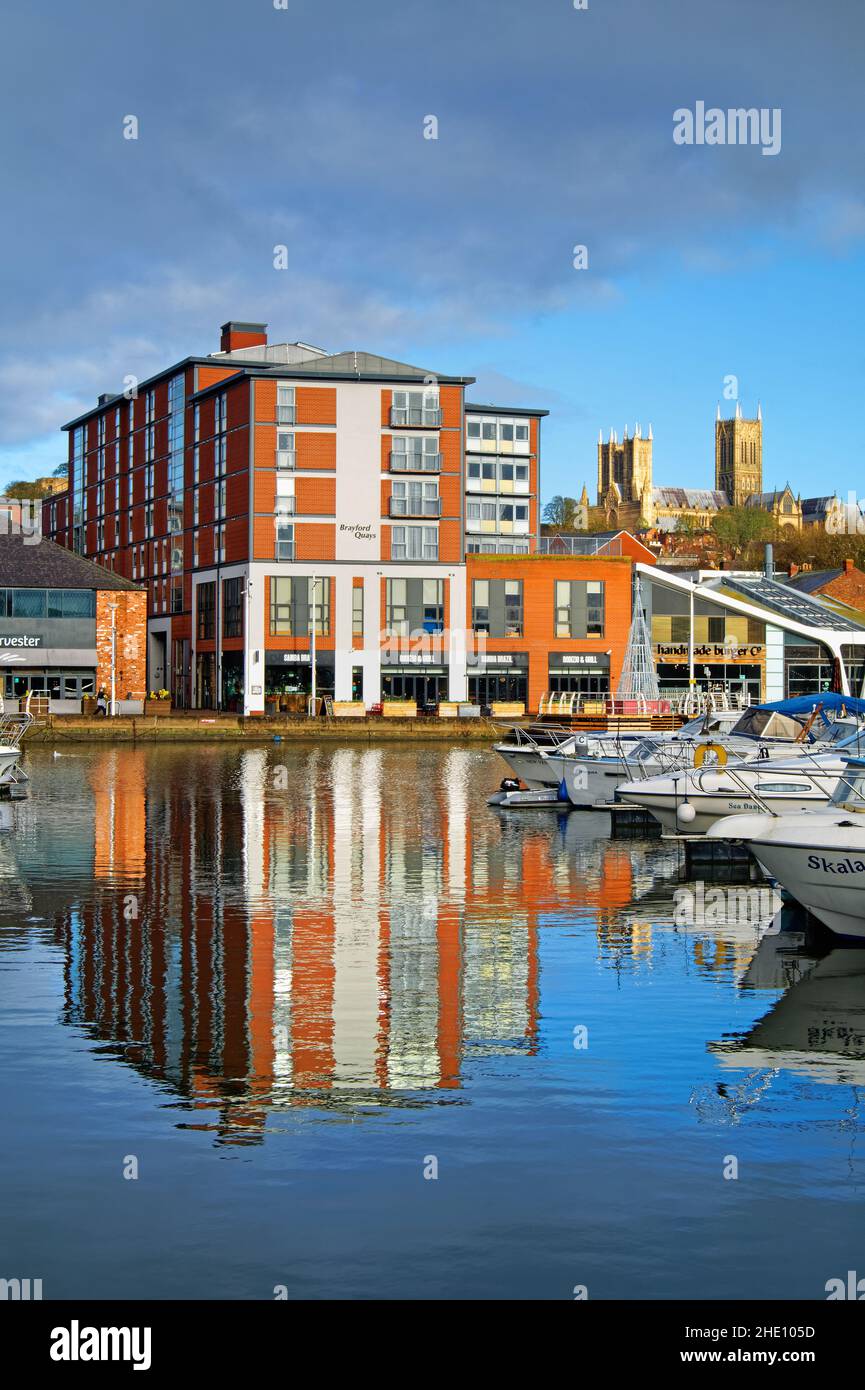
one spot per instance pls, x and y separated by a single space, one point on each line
242 335
849 567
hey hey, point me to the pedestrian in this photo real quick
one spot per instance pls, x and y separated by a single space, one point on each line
102 703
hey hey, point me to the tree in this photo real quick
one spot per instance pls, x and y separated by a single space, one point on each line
61 471
687 525
560 513
739 527
26 492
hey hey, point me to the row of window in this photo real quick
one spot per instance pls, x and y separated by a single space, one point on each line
497 431
411 606
497 511
47 603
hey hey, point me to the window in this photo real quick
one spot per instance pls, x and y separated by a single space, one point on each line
357 611
219 544
284 545
50 603
149 442
481 605
415 453
232 607
594 608
473 429
513 607
149 407
563 608
414 499
285 451
414 606
414 543
206 606
220 413
293 602
416 407
285 405
219 454
717 629
497 607
680 629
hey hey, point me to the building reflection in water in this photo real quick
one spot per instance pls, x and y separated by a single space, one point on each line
311 934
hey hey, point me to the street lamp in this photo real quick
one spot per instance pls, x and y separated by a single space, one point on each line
113 608
313 648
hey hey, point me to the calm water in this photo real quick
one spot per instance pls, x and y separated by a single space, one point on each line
288 982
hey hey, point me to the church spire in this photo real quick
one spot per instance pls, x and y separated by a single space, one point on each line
759 411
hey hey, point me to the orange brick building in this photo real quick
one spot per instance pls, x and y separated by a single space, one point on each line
546 623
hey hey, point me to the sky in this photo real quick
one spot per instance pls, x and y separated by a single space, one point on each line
712 269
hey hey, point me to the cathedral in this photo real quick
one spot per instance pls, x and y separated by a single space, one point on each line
628 500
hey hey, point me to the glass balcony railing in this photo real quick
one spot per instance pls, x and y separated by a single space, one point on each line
415 463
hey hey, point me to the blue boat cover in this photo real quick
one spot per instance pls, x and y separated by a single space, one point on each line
804 704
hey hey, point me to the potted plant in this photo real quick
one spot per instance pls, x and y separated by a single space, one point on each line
158 702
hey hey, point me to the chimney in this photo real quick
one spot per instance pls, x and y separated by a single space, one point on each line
242 335
769 563
849 567
794 569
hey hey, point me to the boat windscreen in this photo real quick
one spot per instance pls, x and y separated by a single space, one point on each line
768 723
850 791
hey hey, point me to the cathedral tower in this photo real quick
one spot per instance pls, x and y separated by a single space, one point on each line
739 456
627 464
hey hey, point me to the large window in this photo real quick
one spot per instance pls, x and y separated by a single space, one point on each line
357 611
410 498
414 543
47 603
414 606
292 602
284 544
416 408
285 406
497 607
415 453
206 606
232 607
579 608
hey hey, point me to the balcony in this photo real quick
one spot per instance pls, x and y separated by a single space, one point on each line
286 415
427 417
415 506
284 507
415 463
286 459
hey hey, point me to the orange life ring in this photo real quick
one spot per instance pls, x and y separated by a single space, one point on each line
702 749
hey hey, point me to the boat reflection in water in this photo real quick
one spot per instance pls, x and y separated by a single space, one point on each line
817 1026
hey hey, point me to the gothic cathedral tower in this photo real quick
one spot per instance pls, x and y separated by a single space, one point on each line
628 466
739 456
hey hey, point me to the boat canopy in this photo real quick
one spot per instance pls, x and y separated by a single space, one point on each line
828 701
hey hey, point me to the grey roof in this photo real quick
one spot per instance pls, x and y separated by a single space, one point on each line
503 409
810 580
698 499
30 564
792 603
766 499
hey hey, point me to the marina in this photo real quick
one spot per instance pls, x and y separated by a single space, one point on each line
283 977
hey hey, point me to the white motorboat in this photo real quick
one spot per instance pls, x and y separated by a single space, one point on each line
690 801
13 727
8 762
539 755
818 856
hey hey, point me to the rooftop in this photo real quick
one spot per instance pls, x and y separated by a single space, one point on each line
29 564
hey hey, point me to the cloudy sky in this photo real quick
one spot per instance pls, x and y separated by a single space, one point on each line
303 126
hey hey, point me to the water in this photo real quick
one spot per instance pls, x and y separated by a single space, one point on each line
288 982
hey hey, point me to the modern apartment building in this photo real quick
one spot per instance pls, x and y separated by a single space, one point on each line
283 505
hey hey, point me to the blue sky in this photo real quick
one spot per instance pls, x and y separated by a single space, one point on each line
304 127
